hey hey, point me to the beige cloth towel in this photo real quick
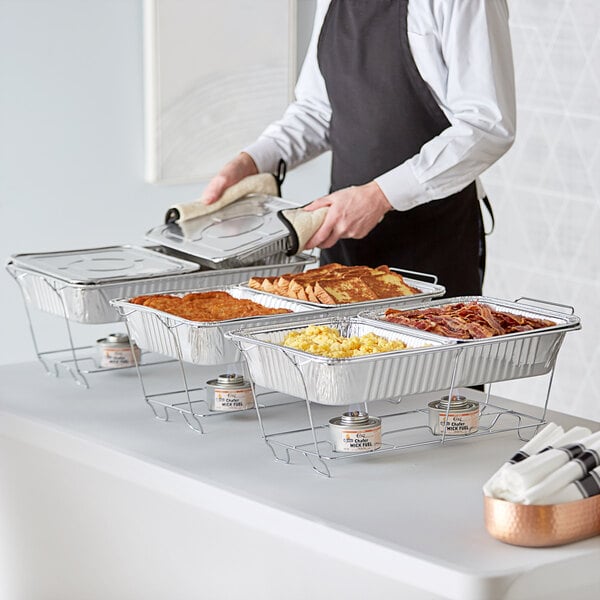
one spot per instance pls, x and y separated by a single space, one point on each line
263 183
303 224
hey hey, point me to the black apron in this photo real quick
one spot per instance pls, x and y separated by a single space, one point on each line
382 114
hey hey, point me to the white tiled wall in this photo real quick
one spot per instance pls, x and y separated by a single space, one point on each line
546 191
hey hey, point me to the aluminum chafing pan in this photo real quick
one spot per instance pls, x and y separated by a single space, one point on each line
429 290
87 299
348 380
200 343
237 235
502 357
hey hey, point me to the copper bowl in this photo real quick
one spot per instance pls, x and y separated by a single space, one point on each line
536 525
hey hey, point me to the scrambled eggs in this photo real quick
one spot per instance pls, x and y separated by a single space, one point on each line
326 341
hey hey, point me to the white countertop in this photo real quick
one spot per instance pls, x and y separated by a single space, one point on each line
414 516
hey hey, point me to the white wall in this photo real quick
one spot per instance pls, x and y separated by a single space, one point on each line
71 161
546 190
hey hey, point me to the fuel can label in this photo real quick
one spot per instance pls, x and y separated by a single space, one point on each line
117 357
233 399
360 440
458 423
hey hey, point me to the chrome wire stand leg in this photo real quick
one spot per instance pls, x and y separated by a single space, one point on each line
189 416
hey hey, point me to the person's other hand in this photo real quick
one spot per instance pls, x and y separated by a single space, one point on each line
353 213
235 170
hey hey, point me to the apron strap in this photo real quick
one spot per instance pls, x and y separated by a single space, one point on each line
280 175
488 206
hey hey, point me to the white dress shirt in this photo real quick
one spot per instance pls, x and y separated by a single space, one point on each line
462 50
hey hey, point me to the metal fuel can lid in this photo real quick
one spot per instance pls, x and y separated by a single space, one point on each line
230 378
120 339
227 380
457 401
356 419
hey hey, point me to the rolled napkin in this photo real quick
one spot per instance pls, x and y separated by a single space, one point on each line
586 487
571 471
542 439
302 224
520 476
539 442
263 183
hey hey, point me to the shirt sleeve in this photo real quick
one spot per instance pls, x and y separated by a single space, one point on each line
303 131
478 98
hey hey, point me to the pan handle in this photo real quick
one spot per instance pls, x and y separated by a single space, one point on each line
570 309
418 273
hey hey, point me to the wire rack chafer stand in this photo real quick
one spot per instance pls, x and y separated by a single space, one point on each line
77 285
192 344
430 363
196 343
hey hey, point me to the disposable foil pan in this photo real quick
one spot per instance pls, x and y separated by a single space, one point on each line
89 301
200 343
342 381
237 235
539 526
502 357
428 291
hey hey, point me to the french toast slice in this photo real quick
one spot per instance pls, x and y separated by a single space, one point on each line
296 283
343 291
309 290
256 282
281 284
358 271
267 284
389 285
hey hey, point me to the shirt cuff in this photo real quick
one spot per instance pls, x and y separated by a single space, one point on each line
265 155
402 189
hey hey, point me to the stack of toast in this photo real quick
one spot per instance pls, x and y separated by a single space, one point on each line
337 284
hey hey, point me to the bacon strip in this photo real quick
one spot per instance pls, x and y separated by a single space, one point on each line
465 320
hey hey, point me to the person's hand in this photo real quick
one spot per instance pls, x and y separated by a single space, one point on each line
235 170
353 213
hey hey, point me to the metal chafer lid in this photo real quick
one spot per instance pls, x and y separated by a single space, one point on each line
104 265
241 228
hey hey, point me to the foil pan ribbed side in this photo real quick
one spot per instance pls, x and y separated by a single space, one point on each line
200 343
90 304
346 381
503 357
506 359
176 339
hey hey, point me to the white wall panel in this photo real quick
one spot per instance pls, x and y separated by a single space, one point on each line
217 73
546 190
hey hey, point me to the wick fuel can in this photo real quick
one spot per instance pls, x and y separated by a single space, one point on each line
229 392
355 432
115 351
455 416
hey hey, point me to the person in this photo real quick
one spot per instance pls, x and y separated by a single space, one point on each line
415 99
